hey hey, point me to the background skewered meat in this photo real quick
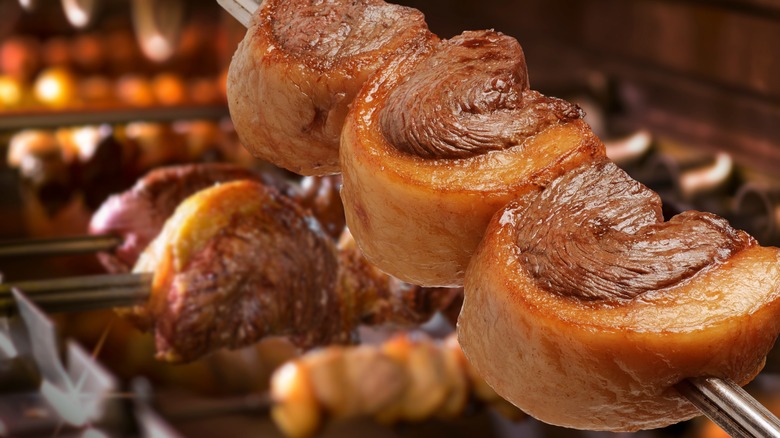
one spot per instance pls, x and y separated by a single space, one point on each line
601 307
102 164
239 261
449 190
381 299
294 75
90 161
406 378
156 144
138 215
45 168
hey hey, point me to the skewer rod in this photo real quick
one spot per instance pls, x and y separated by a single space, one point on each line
80 293
241 10
58 246
90 282
78 301
730 407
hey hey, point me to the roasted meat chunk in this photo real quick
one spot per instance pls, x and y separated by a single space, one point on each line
138 215
300 65
239 261
320 194
589 317
439 141
236 262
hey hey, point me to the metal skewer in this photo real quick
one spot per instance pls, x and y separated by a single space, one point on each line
730 407
241 10
59 246
79 293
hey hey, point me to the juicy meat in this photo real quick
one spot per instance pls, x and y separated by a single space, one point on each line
235 263
294 75
585 309
326 33
239 261
600 236
470 97
379 298
433 146
138 215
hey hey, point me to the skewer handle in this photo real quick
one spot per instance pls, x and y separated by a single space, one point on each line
58 246
241 10
730 407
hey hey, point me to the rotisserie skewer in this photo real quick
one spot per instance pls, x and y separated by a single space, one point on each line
59 245
79 293
241 10
49 119
734 416
730 407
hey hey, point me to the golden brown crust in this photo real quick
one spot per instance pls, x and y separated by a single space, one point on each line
288 104
138 214
395 201
238 262
592 366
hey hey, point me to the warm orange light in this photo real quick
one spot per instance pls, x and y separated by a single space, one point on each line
135 90
11 92
169 89
55 87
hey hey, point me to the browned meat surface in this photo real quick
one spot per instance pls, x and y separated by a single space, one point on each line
470 97
601 236
585 309
235 263
239 261
383 299
138 215
437 142
300 65
582 306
